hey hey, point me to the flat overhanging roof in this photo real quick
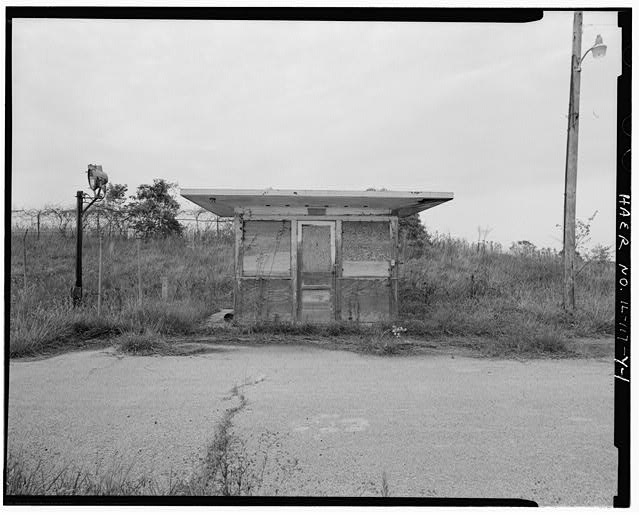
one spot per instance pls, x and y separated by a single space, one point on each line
223 202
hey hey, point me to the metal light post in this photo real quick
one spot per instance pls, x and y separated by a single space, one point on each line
98 183
571 165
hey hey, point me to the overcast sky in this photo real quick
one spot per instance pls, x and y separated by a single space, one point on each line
476 109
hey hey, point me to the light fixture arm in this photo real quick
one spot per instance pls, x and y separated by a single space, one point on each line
99 196
578 67
602 48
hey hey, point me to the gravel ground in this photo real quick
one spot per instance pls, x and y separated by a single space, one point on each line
435 425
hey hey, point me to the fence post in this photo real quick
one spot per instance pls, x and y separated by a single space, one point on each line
139 275
24 257
165 288
404 249
99 272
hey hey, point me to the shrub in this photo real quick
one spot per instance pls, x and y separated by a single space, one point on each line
140 344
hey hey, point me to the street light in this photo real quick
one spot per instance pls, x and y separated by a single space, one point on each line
571 165
598 50
98 180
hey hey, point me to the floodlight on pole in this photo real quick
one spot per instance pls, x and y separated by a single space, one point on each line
98 180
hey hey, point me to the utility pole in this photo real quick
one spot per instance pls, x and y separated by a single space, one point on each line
571 170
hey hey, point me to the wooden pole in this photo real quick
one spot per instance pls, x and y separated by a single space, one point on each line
165 288
24 257
99 272
139 276
404 250
571 170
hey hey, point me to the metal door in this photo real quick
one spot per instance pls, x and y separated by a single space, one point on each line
316 268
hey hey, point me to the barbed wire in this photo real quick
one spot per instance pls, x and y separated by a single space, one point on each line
62 221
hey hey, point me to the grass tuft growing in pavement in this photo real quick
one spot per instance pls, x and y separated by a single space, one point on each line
384 489
24 477
153 343
141 344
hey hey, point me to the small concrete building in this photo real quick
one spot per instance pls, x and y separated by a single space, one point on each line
315 256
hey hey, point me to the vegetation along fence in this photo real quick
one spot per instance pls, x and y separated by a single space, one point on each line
448 286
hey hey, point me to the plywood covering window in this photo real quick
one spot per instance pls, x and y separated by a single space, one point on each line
366 249
266 248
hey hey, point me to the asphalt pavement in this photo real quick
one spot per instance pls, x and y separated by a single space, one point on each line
332 422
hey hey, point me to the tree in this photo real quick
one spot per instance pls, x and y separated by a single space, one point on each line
112 211
600 253
153 210
409 227
412 228
64 217
116 194
583 235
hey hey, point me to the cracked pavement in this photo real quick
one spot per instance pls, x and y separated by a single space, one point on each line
436 425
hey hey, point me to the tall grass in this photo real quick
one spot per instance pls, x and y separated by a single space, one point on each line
41 316
456 289
25 476
448 287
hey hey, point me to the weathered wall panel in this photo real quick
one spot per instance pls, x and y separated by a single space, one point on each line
365 269
316 306
365 300
264 300
267 248
393 229
294 270
338 264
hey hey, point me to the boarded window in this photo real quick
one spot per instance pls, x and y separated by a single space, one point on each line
267 248
366 249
